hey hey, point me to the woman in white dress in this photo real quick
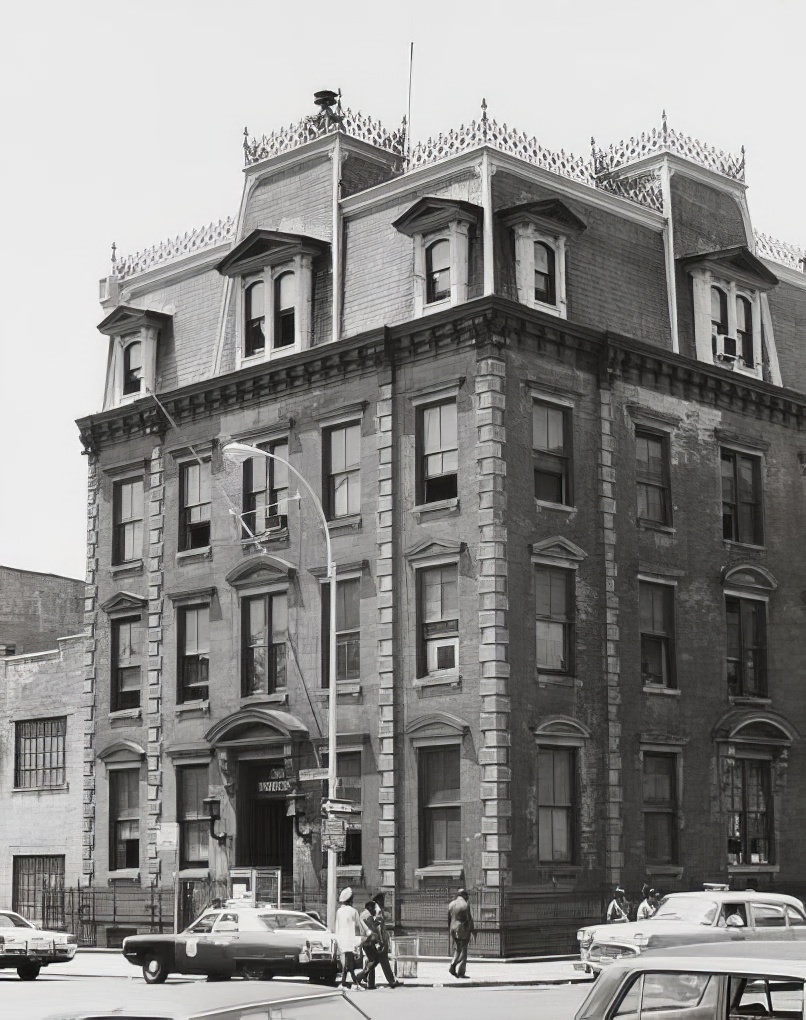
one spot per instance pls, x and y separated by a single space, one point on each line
349 932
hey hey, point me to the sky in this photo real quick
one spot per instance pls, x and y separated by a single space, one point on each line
123 121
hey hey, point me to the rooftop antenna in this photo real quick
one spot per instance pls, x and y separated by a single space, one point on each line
408 114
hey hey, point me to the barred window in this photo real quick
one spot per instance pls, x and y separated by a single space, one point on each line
39 753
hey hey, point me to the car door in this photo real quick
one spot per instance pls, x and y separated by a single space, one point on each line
214 952
768 922
663 995
796 922
189 941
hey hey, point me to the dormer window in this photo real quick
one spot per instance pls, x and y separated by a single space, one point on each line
254 319
545 274
134 334
441 229
438 271
276 294
541 232
285 302
132 368
727 289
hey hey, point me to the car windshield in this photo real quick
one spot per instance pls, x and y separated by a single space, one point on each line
692 909
10 920
290 919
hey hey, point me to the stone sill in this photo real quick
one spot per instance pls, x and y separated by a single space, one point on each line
733 543
279 698
664 870
65 788
193 873
749 700
669 692
265 538
446 870
556 679
664 529
753 869
192 706
442 506
349 523
343 690
451 679
125 713
189 555
543 504
124 875
129 567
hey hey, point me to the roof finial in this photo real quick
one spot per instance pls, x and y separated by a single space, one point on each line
484 119
665 127
114 255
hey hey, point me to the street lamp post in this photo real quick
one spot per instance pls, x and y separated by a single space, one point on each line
239 452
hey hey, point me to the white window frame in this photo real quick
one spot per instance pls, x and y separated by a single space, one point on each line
457 234
301 265
526 235
431 676
703 281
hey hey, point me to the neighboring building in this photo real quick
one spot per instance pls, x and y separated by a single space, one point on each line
41 755
553 410
37 609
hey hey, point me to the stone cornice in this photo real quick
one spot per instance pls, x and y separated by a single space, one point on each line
484 322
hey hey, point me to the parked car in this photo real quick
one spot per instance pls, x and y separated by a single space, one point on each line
702 982
693 917
250 942
28 948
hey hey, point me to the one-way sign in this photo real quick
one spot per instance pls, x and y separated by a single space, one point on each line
337 807
310 775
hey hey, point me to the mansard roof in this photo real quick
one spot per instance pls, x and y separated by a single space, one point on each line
128 319
550 212
268 247
431 213
737 260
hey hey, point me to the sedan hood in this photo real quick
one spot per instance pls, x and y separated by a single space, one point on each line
650 929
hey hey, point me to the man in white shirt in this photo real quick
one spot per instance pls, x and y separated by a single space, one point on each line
648 906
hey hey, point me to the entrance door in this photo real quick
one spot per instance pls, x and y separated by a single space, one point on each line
264 829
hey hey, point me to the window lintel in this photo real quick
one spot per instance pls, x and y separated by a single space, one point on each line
751 445
124 603
550 215
431 214
192 596
263 248
344 571
432 553
437 392
267 569
349 414
650 418
557 551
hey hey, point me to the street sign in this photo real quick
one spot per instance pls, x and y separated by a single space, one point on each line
337 807
334 834
310 775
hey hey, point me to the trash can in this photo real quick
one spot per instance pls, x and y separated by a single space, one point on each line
404 956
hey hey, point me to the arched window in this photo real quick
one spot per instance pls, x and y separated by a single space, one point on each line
438 271
133 368
744 330
545 276
285 300
254 319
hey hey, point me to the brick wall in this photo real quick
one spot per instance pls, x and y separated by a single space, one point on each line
37 609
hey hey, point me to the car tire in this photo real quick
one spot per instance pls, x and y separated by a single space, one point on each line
29 971
253 971
154 970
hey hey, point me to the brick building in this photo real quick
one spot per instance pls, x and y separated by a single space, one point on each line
552 408
42 724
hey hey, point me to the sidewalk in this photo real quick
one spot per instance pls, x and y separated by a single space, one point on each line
432 971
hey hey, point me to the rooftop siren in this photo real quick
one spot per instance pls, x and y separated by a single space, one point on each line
326 100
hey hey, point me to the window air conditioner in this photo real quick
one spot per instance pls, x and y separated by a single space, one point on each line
275 521
442 654
725 347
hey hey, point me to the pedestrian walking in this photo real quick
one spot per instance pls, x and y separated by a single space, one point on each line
377 943
647 906
349 933
617 908
461 926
